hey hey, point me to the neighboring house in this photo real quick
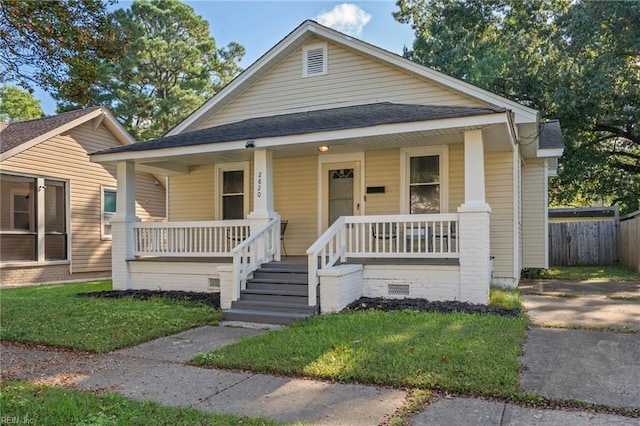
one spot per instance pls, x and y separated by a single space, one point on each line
395 180
56 205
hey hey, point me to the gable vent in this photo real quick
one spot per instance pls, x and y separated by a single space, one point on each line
315 60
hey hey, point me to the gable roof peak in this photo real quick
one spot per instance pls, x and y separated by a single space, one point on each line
310 28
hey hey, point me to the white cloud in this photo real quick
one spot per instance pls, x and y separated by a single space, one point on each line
347 18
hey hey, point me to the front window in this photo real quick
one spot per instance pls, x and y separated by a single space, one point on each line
232 190
233 194
424 185
108 211
425 180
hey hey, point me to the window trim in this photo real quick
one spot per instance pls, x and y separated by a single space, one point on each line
305 62
103 189
232 167
405 172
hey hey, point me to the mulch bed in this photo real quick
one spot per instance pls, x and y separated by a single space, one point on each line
382 304
364 303
209 299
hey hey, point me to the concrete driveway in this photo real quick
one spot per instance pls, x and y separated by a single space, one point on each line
593 366
597 304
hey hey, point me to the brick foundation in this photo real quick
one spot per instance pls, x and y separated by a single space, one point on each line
41 274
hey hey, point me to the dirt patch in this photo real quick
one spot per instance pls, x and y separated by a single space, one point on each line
382 304
209 299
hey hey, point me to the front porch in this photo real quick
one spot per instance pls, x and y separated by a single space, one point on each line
393 211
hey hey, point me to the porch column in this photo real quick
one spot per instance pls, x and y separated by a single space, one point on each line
122 236
262 185
474 222
262 193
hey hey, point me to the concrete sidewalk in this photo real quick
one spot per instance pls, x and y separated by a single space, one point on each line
156 371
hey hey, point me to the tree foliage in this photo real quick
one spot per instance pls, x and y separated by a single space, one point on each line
169 67
578 61
18 105
41 40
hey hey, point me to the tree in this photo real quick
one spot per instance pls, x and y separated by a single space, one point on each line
18 105
168 68
578 61
41 40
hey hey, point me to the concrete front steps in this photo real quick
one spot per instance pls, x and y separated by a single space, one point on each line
277 294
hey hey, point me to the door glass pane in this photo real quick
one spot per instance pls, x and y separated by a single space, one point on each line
425 169
425 199
55 239
18 213
340 194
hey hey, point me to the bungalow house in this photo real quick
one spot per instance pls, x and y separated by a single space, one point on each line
376 175
55 204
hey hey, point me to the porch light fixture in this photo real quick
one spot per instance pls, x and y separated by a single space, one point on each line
323 148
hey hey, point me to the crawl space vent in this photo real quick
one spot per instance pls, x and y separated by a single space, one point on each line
214 284
398 289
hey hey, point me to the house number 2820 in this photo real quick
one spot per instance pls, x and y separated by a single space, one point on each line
259 189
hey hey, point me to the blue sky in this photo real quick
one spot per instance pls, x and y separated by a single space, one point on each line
259 25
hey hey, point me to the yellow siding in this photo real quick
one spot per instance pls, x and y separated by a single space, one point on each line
296 200
382 168
499 193
192 196
456 177
66 157
534 213
352 79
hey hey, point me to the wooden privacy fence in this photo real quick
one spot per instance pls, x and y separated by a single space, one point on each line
606 243
630 240
583 243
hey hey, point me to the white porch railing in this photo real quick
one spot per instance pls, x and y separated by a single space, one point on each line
401 236
189 239
261 247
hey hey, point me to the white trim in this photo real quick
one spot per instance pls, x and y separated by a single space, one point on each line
305 59
405 156
230 167
103 189
546 152
355 157
516 177
546 215
477 121
309 29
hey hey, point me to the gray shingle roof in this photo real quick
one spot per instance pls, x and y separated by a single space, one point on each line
15 134
342 118
551 135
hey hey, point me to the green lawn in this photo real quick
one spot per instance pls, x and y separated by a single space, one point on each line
466 353
54 315
613 273
26 403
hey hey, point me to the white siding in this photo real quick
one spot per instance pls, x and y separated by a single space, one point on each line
351 79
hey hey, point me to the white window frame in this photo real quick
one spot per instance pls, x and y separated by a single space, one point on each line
103 189
325 59
232 167
442 151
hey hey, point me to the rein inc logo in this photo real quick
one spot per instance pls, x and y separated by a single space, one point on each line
15 420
